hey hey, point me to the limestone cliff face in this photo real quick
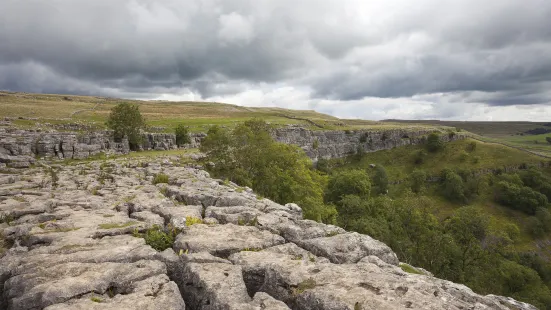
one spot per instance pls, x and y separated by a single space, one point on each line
18 148
339 143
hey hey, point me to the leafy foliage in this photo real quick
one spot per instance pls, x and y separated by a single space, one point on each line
182 135
380 180
348 182
126 120
248 155
160 178
434 143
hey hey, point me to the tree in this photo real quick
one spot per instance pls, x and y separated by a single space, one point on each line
452 186
348 182
126 120
182 135
380 180
434 144
417 181
249 156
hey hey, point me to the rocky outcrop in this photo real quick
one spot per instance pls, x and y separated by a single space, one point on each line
341 143
77 244
18 148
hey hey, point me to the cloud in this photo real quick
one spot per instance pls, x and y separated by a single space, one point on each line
375 59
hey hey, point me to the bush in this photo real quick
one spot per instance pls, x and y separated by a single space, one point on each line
463 156
159 239
417 181
548 139
249 156
380 180
471 147
420 157
434 144
182 135
452 186
349 182
315 145
160 178
126 121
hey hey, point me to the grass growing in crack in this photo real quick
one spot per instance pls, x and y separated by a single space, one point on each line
160 178
409 269
243 222
96 299
193 220
303 286
252 249
57 229
116 225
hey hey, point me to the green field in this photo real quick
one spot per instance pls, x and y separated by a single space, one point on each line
42 109
513 134
400 162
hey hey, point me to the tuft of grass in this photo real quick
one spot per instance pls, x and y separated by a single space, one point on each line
116 225
160 178
303 286
409 269
193 220
96 299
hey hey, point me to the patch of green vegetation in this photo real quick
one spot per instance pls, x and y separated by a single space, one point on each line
409 269
96 299
252 249
116 225
193 220
400 162
244 222
303 286
57 230
108 215
158 238
160 178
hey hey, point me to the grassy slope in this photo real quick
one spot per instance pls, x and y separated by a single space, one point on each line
500 132
399 163
198 115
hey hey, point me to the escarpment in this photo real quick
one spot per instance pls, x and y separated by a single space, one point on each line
20 148
72 239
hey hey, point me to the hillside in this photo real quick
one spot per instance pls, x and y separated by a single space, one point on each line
34 109
523 135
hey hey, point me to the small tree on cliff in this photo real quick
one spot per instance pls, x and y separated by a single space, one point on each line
182 135
126 120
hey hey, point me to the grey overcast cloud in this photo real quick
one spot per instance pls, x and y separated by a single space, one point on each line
443 59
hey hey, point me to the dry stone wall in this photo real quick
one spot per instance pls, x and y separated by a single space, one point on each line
73 243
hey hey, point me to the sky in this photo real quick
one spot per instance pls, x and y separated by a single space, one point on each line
423 59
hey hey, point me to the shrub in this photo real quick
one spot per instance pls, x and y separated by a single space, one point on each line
380 180
434 144
160 178
363 138
126 121
159 239
182 135
417 181
315 145
471 147
349 182
463 156
548 139
420 157
476 159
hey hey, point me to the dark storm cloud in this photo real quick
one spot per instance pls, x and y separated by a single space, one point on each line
496 52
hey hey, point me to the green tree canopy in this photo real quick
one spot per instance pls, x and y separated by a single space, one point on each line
182 135
380 180
126 120
249 156
348 182
434 144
